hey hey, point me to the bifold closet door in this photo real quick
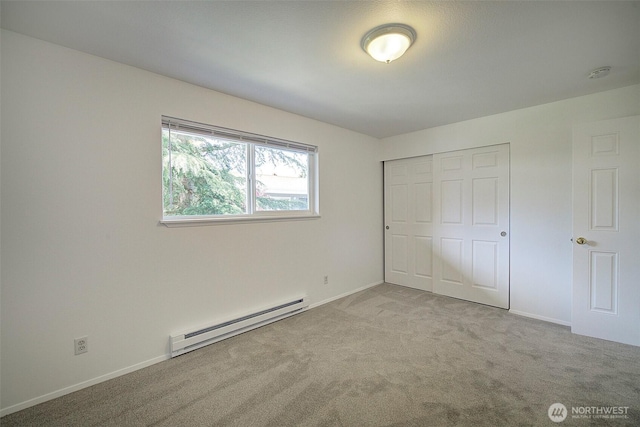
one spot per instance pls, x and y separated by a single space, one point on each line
408 212
471 225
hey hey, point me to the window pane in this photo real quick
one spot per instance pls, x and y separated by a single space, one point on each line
282 179
203 175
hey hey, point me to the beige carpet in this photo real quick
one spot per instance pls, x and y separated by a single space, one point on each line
387 356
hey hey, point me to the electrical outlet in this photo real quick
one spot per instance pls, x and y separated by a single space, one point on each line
81 345
326 280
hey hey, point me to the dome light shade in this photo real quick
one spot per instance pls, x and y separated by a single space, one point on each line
388 42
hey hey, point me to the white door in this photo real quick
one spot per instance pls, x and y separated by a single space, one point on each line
408 219
471 225
606 230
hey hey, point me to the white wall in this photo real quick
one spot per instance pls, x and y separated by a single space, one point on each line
82 250
83 254
540 139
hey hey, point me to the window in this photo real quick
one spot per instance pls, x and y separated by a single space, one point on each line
211 174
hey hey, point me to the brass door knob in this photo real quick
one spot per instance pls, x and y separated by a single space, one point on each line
581 240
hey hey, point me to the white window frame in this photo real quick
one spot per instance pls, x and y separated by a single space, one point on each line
251 140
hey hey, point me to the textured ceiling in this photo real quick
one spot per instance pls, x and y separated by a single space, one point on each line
470 59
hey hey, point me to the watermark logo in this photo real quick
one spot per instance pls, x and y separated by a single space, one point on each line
557 412
600 412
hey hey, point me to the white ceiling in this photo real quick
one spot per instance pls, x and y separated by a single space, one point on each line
470 59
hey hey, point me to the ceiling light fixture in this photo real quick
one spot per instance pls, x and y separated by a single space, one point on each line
388 42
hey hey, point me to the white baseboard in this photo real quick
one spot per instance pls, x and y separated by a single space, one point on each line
535 316
58 393
346 294
70 389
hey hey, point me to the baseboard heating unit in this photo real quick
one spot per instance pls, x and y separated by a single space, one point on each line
199 337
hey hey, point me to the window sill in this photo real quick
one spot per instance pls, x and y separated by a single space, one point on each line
202 221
